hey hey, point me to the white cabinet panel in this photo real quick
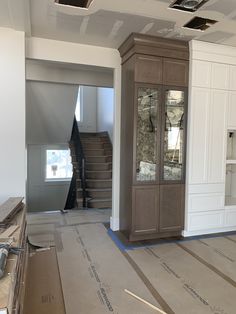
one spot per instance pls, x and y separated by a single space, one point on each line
205 202
232 77
198 148
206 220
220 76
201 73
231 121
217 138
230 218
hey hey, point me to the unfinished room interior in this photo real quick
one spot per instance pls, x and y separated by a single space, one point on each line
118 158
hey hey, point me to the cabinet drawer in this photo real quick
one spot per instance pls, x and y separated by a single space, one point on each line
171 207
145 209
148 69
175 72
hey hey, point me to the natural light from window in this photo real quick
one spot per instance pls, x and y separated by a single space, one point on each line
58 164
78 109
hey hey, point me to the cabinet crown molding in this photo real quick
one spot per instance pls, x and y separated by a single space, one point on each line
156 46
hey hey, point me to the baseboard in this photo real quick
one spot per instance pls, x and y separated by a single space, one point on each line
114 224
207 231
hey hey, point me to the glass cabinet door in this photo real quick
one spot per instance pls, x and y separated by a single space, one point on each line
147 133
173 135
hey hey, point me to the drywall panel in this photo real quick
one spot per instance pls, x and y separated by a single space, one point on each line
89 109
105 110
50 111
73 74
12 111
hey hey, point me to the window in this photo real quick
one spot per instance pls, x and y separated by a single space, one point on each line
58 164
78 109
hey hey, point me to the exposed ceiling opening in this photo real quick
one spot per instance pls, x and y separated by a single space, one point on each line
75 3
188 5
199 23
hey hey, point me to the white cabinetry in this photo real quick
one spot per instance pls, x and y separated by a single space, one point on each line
212 109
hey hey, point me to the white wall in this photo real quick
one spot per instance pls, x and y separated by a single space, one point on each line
89 109
105 110
79 75
51 50
12 111
50 110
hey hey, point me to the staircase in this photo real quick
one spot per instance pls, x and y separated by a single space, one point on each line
97 150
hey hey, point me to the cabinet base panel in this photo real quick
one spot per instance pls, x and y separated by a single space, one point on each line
152 236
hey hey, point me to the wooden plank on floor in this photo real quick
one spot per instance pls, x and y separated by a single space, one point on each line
188 285
43 287
10 207
91 265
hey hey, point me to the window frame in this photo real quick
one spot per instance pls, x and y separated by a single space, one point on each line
54 180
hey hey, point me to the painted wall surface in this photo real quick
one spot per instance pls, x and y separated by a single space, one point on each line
89 109
85 75
51 50
105 110
50 111
12 111
44 195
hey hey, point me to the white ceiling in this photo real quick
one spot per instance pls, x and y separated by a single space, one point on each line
108 22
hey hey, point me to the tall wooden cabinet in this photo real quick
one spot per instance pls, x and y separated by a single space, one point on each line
153 136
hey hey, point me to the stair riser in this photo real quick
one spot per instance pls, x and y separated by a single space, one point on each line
100 194
99 159
97 152
99 185
100 205
94 167
98 175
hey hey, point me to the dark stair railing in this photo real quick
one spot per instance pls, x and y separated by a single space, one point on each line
80 159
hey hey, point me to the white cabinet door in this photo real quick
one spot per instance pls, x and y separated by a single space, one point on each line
201 73
217 138
198 135
232 77
231 120
220 76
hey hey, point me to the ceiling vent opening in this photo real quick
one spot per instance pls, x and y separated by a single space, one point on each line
188 5
199 23
75 3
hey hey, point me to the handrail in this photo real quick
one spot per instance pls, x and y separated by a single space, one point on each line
80 159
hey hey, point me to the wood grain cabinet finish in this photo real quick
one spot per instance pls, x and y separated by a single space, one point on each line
145 205
171 207
175 72
153 136
148 69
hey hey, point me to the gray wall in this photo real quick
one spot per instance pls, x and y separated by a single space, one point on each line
50 110
49 117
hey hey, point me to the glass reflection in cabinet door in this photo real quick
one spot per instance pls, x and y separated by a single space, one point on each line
146 142
174 135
